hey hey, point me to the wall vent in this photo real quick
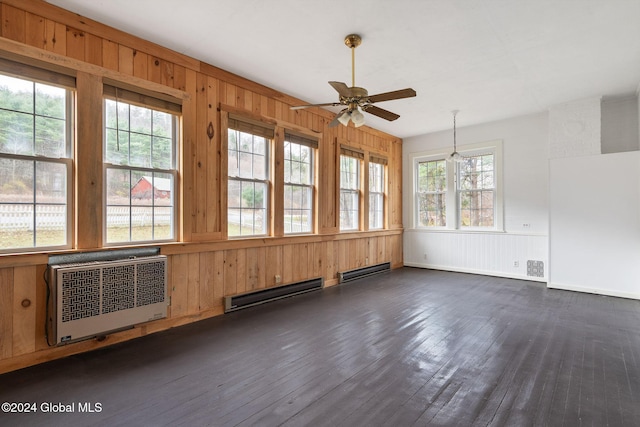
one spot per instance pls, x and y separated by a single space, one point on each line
248 299
535 268
358 273
91 299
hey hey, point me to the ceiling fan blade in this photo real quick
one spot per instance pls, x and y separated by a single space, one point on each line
377 111
396 94
341 88
328 104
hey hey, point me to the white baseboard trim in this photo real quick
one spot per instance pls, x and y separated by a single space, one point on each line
474 271
595 291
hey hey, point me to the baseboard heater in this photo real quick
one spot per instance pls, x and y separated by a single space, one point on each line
359 273
91 299
248 299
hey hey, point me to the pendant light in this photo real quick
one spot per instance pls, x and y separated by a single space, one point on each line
455 156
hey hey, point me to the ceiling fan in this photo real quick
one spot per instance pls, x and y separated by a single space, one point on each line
357 99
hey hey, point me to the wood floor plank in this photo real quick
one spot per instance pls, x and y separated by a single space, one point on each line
409 347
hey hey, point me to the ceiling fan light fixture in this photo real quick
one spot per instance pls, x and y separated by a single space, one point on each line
344 118
357 117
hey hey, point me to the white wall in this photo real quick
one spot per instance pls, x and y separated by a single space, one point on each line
620 125
525 184
595 224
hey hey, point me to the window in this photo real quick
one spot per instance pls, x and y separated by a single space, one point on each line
298 183
350 189
248 180
140 167
476 191
463 195
35 159
431 193
376 192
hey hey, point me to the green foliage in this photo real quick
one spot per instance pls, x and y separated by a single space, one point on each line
252 198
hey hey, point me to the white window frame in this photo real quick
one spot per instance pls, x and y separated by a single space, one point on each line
379 195
352 191
35 158
291 139
267 181
452 195
131 169
444 192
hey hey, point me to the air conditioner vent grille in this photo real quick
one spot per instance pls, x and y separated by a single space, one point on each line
80 294
152 274
117 293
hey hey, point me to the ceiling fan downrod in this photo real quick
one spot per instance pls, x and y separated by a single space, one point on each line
353 41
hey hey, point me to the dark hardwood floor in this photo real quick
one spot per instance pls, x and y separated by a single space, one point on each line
410 347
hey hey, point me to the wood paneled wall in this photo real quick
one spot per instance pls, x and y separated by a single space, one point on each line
203 266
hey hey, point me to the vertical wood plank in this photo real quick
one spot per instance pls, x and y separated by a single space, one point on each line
316 252
330 265
93 49
193 284
218 284
251 268
207 280
24 310
201 154
261 268
166 73
75 43
274 265
223 166
41 310
277 203
230 258
179 77
14 23
179 284
289 255
154 70
36 33
343 257
125 60
189 116
140 64
55 37
110 55
6 312
241 271
213 159
88 205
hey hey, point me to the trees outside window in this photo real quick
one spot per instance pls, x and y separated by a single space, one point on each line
140 172
298 184
35 163
248 179
349 193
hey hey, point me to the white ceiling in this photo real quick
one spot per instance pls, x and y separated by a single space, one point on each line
491 59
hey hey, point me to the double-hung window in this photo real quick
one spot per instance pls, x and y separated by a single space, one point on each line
476 190
350 161
376 192
431 193
298 183
140 157
248 177
36 111
463 194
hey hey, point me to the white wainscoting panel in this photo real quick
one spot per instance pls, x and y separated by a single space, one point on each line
489 253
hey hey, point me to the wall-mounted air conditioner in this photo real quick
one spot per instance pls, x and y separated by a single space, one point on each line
91 299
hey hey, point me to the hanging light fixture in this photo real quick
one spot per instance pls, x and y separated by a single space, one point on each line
455 156
357 117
